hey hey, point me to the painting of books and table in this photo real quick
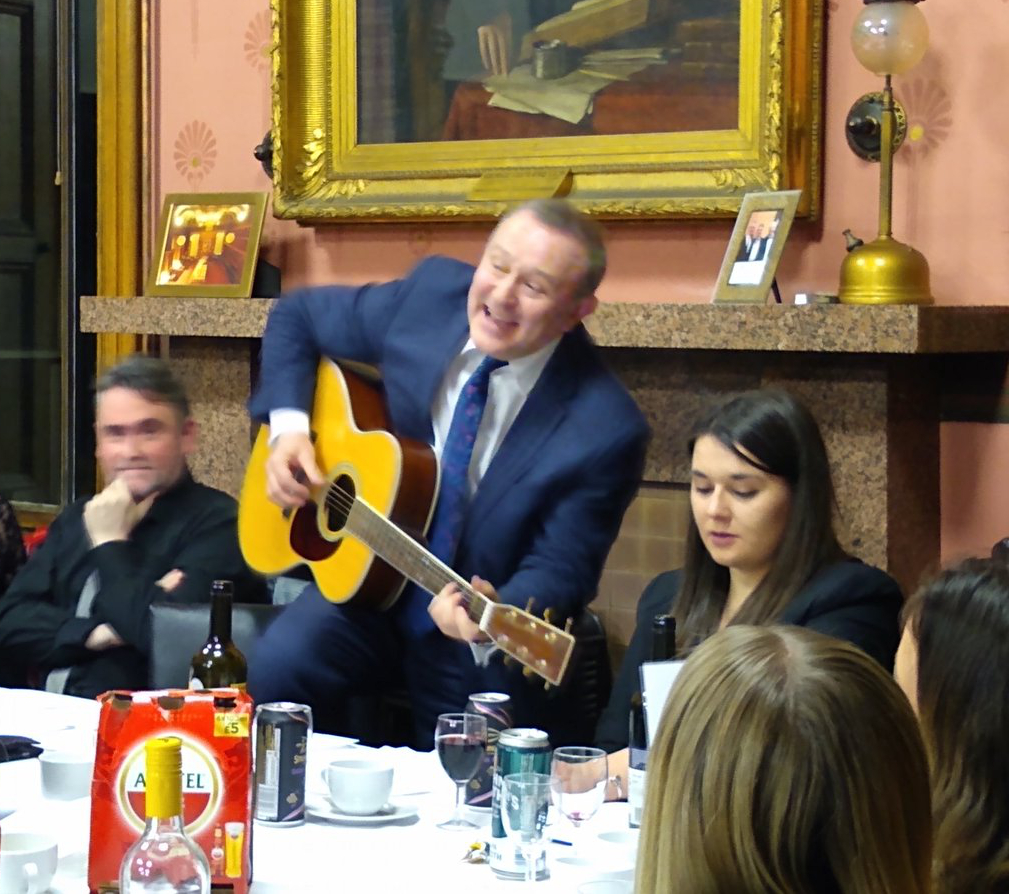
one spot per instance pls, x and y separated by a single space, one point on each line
503 69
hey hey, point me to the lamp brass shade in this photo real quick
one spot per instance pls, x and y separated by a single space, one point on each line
885 271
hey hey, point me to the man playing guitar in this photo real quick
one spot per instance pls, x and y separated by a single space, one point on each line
558 453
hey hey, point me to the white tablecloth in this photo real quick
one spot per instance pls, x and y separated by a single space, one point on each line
411 855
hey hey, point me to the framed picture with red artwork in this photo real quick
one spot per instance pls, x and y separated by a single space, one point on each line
207 244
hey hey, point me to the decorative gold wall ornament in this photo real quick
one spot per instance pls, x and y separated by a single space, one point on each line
325 170
122 158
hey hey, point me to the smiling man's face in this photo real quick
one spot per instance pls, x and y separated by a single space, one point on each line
523 292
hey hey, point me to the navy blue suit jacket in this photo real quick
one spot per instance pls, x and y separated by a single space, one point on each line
546 512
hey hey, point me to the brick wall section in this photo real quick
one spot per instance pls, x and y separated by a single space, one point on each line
650 541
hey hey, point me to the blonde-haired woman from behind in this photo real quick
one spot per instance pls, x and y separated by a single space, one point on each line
786 762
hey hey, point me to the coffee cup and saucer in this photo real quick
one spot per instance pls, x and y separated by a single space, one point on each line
358 793
27 862
66 776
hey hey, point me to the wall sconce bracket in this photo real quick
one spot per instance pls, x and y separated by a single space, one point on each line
864 125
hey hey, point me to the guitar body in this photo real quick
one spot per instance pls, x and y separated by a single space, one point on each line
397 477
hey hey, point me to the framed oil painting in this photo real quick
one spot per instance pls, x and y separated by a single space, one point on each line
207 244
453 109
755 247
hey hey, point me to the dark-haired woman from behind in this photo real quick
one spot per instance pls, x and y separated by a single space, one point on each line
787 762
953 665
761 548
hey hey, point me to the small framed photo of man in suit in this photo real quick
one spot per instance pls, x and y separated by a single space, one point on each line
755 247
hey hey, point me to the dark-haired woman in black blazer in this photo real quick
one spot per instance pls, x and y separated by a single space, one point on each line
761 548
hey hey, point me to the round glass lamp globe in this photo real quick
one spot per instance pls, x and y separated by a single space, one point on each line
890 37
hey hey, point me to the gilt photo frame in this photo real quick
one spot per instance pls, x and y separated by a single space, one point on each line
375 120
755 247
207 244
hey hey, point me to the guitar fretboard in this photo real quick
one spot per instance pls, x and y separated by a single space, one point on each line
407 556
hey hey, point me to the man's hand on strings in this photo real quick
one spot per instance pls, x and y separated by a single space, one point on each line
291 470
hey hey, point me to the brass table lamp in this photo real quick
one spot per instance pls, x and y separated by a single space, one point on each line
889 37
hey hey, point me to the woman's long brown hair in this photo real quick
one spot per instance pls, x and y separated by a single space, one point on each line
787 762
782 436
961 623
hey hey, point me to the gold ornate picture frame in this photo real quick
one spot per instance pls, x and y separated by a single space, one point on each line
755 247
207 244
340 95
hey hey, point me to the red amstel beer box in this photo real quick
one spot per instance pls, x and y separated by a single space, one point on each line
215 727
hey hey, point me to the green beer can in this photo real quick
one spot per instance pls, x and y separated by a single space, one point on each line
518 751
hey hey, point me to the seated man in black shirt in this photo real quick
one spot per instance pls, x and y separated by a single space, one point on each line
76 614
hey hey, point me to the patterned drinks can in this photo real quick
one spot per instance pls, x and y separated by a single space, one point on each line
282 733
518 751
496 708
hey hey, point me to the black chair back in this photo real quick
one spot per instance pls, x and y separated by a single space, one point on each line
178 632
570 712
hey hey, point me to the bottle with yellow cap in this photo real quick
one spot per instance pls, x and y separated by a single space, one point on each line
164 859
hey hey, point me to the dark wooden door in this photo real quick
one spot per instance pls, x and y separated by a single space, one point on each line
30 317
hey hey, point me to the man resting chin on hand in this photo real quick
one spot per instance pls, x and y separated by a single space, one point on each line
75 616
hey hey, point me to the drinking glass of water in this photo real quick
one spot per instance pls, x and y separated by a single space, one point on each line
460 740
524 805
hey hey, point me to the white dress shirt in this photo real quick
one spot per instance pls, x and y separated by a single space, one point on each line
509 387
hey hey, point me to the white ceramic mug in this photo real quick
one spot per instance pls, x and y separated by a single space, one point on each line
358 786
65 775
27 862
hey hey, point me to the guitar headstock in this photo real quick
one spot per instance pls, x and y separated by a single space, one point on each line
531 641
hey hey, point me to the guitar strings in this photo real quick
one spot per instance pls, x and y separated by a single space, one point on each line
384 538
411 553
414 559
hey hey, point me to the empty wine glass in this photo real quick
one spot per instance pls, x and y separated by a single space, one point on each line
578 776
460 740
524 805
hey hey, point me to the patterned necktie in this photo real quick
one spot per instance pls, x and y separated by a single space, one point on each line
453 492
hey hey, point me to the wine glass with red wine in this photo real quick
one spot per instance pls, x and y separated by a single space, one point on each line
460 740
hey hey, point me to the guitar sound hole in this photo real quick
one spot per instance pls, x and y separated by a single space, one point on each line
305 538
339 499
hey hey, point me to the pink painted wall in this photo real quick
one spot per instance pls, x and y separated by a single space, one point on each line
211 106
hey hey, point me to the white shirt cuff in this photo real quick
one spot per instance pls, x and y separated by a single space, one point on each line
287 420
482 653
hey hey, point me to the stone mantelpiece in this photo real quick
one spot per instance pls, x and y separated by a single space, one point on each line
822 328
191 317
828 328
870 375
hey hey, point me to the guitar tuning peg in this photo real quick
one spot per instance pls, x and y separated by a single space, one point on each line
508 661
548 614
547 687
567 625
528 672
530 604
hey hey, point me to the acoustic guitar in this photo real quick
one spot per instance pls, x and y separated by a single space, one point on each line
360 535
